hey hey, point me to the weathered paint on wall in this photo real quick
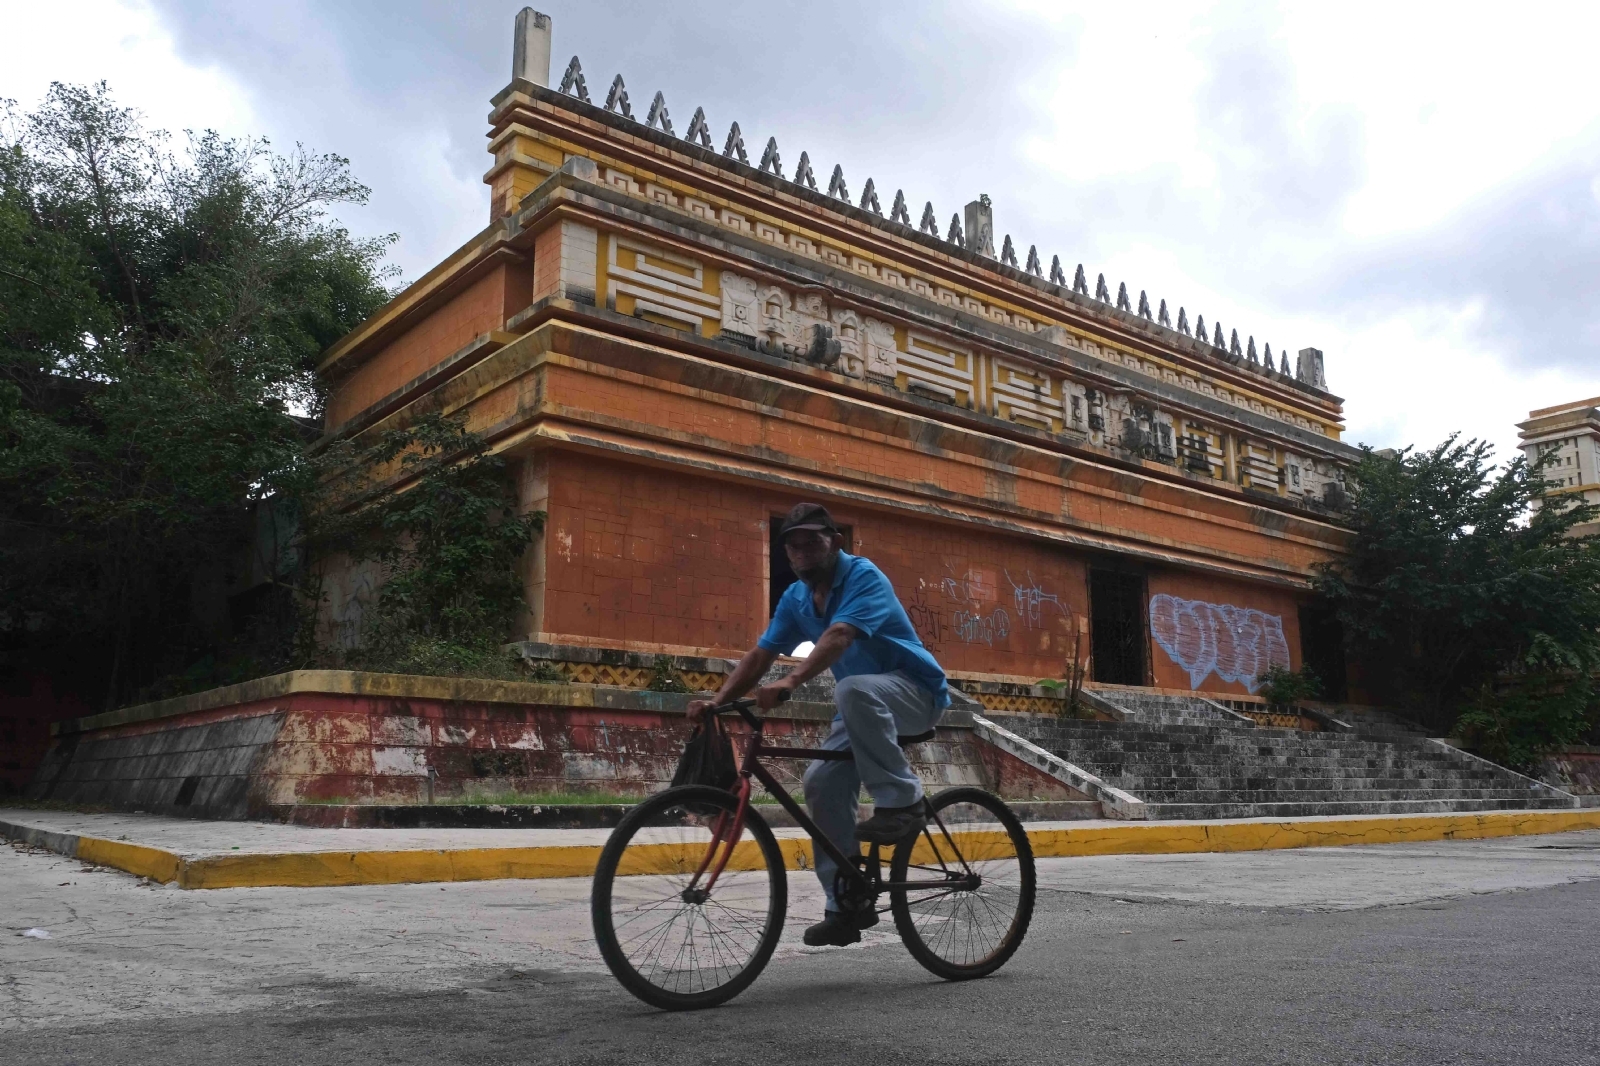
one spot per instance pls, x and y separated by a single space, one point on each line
480 307
981 602
1218 636
634 556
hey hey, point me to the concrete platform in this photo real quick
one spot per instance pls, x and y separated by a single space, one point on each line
205 854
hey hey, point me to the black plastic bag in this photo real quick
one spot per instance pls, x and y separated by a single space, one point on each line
708 757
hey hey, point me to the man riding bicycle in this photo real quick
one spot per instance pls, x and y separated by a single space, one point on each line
887 685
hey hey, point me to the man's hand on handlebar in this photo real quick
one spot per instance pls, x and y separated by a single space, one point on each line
766 697
769 696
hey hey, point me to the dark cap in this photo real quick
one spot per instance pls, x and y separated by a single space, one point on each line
808 516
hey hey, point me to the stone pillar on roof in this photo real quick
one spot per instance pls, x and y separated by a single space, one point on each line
530 47
979 224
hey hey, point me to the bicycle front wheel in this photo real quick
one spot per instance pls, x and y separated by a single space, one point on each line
972 869
669 939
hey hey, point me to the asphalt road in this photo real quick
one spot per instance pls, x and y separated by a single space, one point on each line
1480 952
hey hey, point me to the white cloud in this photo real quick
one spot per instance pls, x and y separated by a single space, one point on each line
125 44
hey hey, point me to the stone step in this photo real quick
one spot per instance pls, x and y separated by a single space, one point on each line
1157 753
1192 768
1218 735
1175 811
1253 751
1290 794
1140 785
1280 762
1118 762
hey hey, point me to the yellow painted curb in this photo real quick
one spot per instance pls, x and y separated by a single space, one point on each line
134 858
344 868
1169 838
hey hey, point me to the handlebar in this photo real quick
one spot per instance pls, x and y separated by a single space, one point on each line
742 706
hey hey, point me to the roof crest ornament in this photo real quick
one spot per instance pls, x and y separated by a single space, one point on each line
1080 282
770 163
955 236
658 112
572 82
1250 352
1101 292
1144 305
1122 297
1284 370
1008 252
698 134
1162 318
1233 345
1216 337
1200 327
836 186
869 199
1183 322
1057 275
929 224
617 99
900 213
802 173
1034 267
735 145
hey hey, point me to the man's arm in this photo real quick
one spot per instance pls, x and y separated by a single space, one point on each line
751 669
833 643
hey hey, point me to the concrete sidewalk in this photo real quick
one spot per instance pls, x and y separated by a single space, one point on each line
213 854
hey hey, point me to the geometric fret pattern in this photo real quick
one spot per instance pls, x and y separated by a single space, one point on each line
654 283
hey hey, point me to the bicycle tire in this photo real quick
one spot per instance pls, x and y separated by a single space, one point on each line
931 922
651 855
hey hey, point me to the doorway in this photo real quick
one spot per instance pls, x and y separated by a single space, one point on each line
1117 620
1322 650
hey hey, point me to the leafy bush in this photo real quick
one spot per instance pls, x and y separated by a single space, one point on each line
444 531
1466 601
1285 688
664 677
161 317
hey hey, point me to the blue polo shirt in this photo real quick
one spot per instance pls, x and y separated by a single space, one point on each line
862 597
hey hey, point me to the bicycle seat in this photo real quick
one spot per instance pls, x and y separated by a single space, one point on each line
917 738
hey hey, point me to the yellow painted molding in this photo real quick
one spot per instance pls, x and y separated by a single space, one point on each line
344 868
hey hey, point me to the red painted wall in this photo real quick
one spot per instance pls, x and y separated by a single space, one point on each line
1216 614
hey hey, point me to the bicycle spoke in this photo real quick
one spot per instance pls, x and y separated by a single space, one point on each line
969 922
663 932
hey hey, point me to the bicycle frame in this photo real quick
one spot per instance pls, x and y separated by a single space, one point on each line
850 868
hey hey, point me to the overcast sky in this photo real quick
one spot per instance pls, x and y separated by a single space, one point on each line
1412 188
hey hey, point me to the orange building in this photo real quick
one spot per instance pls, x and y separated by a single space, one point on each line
674 340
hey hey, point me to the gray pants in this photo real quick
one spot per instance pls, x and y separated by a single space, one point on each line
873 710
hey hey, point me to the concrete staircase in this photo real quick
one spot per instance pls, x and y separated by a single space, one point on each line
1190 758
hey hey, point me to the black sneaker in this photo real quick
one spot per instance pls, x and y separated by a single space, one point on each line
890 825
834 931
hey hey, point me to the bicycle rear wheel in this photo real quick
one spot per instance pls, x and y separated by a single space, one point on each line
976 896
668 940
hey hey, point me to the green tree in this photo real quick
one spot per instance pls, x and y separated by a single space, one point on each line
161 315
1460 597
433 508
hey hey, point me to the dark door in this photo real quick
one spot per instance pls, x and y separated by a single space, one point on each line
1117 618
780 576
1322 650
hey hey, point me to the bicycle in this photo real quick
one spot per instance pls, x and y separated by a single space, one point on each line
691 889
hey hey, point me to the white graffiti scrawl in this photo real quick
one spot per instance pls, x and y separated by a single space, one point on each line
1239 643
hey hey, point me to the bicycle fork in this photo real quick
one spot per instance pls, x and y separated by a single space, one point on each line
725 834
